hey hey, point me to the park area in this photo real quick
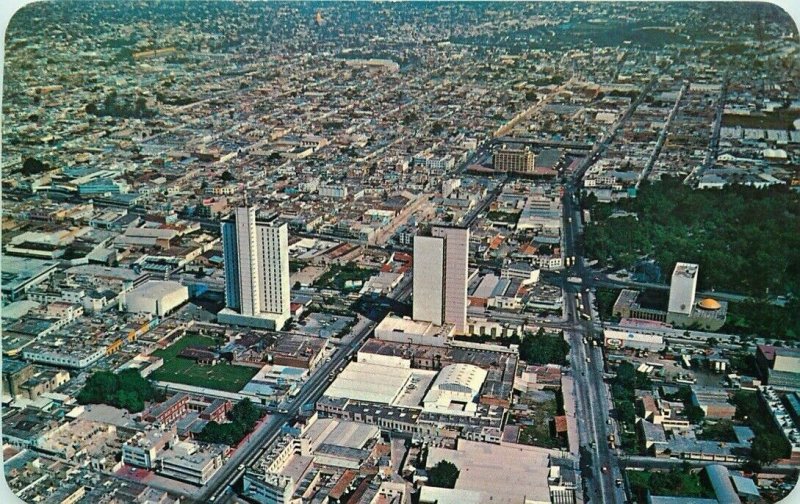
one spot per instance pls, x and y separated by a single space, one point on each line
344 277
221 376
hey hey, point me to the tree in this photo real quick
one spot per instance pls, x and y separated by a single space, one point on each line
227 176
695 414
626 412
752 466
127 390
32 166
443 475
768 447
243 417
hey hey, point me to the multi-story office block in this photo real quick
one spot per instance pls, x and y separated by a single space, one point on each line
440 277
256 255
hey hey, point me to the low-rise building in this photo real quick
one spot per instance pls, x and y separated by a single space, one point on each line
190 462
143 448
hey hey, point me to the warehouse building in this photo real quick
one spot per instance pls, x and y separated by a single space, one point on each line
157 298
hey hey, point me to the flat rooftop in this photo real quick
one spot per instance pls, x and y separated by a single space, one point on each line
157 289
342 433
370 382
408 326
504 474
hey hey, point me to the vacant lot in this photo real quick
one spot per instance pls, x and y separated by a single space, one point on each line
223 376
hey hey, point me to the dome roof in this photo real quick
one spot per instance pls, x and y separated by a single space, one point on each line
709 304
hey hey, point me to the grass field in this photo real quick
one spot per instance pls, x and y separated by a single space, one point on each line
674 483
222 376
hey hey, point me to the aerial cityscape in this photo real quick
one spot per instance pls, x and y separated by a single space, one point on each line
400 252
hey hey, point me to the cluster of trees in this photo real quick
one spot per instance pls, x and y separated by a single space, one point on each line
114 107
32 166
500 216
126 390
410 118
243 417
757 316
744 239
338 275
443 475
694 414
719 431
544 348
768 445
623 388
606 298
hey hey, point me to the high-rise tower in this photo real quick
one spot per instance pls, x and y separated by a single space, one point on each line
440 277
256 255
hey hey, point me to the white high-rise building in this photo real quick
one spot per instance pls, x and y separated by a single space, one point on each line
682 289
440 277
256 255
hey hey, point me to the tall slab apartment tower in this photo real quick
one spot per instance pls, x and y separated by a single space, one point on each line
440 277
256 255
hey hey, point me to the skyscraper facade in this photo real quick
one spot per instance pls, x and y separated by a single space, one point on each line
682 288
256 256
440 277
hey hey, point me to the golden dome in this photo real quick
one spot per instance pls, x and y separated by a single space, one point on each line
709 304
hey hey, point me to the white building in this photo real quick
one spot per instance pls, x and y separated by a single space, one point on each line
524 271
455 390
682 288
333 191
440 277
67 357
256 256
143 448
156 298
415 332
635 340
186 461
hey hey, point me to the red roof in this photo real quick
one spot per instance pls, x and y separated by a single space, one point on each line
768 351
402 257
561 423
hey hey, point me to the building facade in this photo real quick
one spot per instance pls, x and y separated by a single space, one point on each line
514 160
440 277
256 256
682 288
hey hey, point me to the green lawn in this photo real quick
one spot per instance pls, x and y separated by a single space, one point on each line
223 376
678 482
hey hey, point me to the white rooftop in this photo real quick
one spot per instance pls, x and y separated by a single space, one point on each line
503 474
369 382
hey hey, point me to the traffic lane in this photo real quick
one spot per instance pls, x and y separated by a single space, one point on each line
312 388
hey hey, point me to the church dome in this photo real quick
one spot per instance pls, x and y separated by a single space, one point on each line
709 304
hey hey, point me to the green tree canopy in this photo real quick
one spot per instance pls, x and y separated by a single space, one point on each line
768 447
544 348
127 390
443 475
